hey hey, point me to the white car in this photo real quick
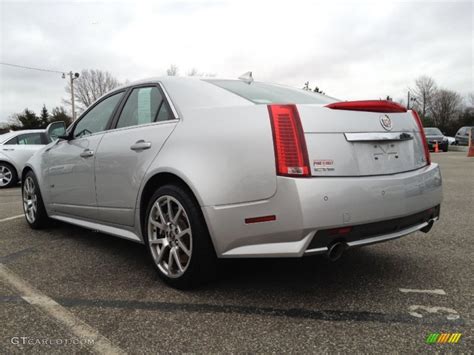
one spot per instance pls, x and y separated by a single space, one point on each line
18 146
199 169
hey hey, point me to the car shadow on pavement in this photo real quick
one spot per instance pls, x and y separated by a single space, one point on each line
358 268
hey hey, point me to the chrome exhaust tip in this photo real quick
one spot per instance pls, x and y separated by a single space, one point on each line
428 227
336 250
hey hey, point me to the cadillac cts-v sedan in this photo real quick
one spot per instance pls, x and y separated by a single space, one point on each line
201 169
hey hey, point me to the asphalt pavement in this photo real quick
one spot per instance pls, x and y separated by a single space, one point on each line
70 290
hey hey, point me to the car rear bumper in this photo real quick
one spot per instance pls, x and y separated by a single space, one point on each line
303 207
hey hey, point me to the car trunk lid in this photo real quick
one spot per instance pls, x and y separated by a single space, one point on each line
361 138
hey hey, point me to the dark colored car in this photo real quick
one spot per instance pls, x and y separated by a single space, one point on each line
462 136
434 135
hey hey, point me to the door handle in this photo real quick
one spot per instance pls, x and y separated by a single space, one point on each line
8 149
87 153
140 145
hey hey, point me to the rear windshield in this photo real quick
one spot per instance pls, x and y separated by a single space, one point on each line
262 93
433 131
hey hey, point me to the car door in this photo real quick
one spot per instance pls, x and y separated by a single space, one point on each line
20 148
70 163
126 152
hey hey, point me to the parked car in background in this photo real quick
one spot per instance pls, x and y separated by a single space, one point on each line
199 169
462 136
451 140
433 136
18 146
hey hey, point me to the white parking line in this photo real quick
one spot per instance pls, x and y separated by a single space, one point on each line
10 218
100 345
433 292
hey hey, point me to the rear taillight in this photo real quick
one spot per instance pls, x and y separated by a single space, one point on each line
288 137
383 106
423 136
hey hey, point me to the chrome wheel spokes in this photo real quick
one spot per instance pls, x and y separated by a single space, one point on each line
6 176
170 236
30 199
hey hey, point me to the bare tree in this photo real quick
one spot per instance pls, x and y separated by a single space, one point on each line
424 92
445 108
172 70
91 84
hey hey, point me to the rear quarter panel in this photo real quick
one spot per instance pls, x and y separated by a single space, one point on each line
224 154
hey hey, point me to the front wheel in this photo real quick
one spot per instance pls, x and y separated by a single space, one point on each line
33 206
178 239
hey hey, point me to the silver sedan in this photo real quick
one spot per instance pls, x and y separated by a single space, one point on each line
201 169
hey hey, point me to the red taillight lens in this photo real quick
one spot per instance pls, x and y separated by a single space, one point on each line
290 147
368 106
423 136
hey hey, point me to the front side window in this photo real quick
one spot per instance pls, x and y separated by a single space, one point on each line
31 138
144 105
97 118
12 141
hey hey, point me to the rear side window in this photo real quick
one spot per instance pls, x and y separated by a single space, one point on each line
144 105
262 93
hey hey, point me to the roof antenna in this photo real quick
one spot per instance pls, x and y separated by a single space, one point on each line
247 77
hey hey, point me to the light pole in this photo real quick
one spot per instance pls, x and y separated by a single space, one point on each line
72 77
409 98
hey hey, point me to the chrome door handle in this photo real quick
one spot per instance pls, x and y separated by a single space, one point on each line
87 153
8 149
140 145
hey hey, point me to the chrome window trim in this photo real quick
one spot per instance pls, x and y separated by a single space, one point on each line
174 120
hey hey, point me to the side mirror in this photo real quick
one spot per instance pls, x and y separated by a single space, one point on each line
56 130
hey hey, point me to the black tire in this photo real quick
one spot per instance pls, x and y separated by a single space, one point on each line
201 267
14 176
446 148
41 218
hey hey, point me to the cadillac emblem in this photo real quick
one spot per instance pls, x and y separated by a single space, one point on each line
386 122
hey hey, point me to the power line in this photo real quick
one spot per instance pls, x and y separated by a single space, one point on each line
32 68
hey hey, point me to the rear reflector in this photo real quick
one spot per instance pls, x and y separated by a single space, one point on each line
423 136
368 106
260 219
291 155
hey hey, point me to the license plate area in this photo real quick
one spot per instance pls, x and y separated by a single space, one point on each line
375 158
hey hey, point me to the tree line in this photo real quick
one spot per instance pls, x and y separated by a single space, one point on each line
441 107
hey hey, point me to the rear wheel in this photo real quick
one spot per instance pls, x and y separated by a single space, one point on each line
177 238
8 175
33 206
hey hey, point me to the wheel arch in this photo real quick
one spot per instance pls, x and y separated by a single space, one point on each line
160 179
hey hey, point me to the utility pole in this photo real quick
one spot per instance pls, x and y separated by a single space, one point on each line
72 77
409 99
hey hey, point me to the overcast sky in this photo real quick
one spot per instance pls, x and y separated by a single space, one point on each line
351 50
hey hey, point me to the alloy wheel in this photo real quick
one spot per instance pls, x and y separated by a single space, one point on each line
170 236
5 175
30 199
